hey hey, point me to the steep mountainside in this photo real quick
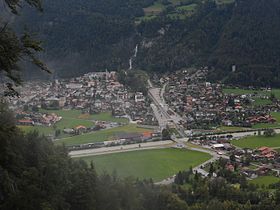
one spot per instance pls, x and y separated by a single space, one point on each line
85 35
95 35
243 34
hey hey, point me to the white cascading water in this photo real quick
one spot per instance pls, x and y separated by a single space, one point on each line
134 56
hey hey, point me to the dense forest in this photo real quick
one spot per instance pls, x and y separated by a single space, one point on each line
84 36
98 35
243 34
35 174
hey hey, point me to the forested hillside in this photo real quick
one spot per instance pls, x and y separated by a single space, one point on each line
82 36
243 34
95 35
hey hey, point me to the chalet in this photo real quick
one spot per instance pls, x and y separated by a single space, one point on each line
80 129
266 152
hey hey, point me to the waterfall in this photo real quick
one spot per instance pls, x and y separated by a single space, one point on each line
135 51
130 63
134 56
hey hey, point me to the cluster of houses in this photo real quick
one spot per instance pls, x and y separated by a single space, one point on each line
97 125
265 161
92 93
204 105
36 118
249 162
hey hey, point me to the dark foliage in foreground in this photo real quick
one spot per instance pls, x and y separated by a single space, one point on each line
34 174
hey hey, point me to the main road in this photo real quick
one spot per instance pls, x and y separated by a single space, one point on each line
122 148
162 112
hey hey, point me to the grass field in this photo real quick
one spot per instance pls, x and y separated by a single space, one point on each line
257 141
188 8
181 6
71 119
77 114
265 180
156 164
261 102
239 91
102 135
156 8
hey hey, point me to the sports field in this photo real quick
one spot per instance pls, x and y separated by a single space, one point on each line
71 119
157 164
102 135
254 142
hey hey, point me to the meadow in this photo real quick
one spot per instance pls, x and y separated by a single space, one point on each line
157 164
265 180
71 119
254 142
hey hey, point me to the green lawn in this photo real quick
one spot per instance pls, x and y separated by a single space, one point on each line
41 129
261 102
181 5
276 115
188 8
102 135
64 113
107 116
240 91
71 119
257 141
77 114
157 164
265 180
156 8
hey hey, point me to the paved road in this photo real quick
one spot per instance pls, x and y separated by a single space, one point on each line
123 148
160 108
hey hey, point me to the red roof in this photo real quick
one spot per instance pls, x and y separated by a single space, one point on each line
80 127
25 121
263 148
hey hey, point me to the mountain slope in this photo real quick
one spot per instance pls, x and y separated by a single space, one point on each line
251 41
98 35
244 34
